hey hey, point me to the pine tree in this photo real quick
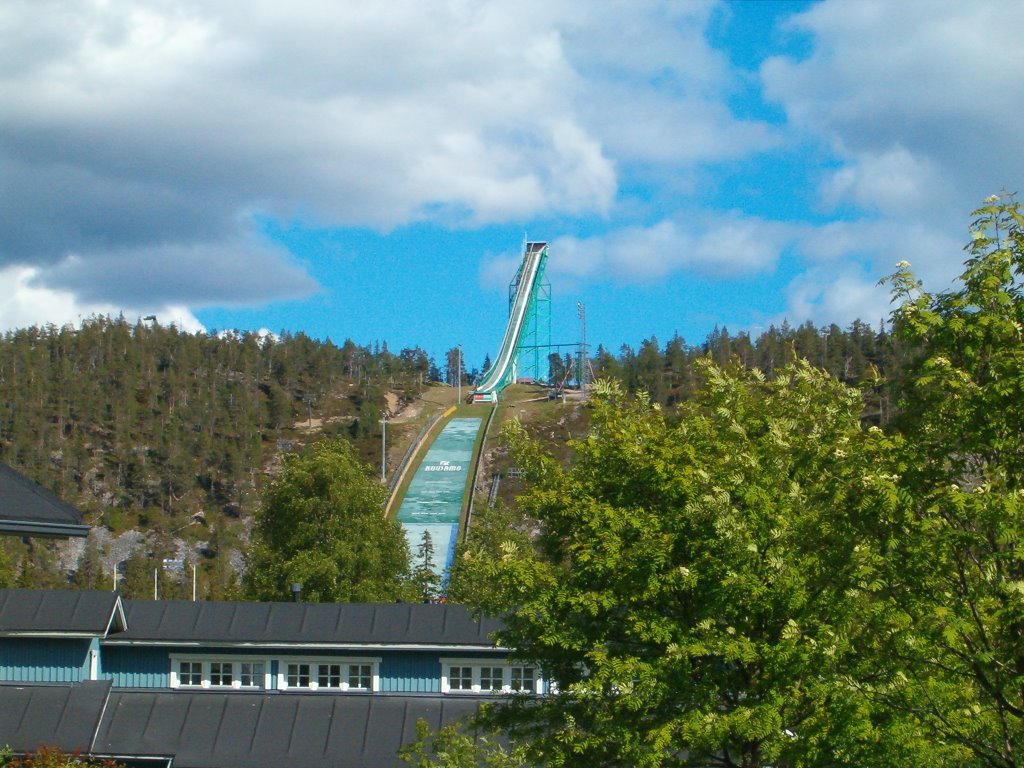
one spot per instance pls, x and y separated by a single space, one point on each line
424 576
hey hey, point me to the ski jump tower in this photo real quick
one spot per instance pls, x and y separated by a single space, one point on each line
529 319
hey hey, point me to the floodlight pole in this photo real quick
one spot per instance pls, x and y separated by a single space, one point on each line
458 373
584 376
383 448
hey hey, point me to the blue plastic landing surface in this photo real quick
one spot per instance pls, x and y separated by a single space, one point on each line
434 500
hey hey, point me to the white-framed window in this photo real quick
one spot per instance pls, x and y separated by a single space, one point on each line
252 674
209 671
460 678
293 673
492 678
297 675
523 678
329 674
488 676
361 677
221 673
190 673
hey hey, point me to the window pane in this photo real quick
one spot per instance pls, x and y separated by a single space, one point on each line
190 673
360 676
460 678
522 679
490 678
329 676
220 673
251 675
298 676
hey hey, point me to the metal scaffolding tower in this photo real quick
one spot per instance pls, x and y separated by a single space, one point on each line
535 342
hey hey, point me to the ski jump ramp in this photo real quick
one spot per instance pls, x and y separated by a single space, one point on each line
528 278
434 501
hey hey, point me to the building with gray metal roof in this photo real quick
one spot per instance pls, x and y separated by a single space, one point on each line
404 625
29 509
60 613
227 685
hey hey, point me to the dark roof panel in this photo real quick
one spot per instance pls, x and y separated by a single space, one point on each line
59 611
267 730
57 716
29 509
305 623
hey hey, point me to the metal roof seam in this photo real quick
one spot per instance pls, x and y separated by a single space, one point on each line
366 727
99 719
185 719
327 735
294 720
256 728
220 723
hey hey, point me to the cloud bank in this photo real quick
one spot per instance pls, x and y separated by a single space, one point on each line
142 144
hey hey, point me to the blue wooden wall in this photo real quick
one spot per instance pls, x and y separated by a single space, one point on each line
44 660
135 666
413 672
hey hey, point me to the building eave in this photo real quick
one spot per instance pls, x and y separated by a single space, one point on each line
339 646
36 528
52 634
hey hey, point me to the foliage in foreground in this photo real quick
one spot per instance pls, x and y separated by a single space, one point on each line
963 420
708 593
769 583
455 747
51 757
320 525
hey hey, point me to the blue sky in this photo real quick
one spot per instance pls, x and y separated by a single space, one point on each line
369 170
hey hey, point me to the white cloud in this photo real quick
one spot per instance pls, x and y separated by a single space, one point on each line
141 141
135 131
722 246
919 99
919 102
25 304
824 297
891 182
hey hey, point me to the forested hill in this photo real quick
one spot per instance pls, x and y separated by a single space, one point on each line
858 356
145 427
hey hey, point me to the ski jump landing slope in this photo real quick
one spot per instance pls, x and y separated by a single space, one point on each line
503 371
434 500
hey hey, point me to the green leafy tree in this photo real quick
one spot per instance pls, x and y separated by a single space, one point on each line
962 413
455 747
89 574
709 594
219 579
39 566
137 581
7 574
321 524
556 369
497 532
